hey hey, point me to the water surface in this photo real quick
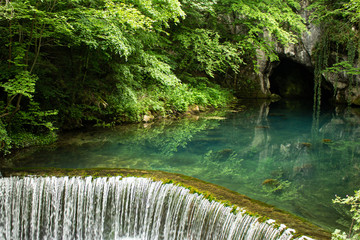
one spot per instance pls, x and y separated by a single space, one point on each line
277 153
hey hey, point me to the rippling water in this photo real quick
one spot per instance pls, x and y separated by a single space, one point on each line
277 153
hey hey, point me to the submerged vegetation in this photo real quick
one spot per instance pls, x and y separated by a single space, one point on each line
269 164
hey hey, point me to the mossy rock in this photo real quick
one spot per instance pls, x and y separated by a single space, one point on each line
356 101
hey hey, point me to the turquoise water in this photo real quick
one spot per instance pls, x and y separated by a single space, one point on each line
276 153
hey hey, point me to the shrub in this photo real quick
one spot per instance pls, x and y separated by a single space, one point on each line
354 203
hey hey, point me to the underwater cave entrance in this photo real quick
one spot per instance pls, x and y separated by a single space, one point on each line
294 81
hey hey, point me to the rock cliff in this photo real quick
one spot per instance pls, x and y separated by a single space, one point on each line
298 60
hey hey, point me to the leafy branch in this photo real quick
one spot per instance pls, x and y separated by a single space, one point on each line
354 203
345 67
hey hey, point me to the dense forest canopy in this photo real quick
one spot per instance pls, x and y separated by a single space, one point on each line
66 63
69 63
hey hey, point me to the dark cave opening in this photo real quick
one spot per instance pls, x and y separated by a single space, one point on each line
295 81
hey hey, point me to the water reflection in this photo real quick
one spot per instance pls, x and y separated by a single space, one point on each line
270 152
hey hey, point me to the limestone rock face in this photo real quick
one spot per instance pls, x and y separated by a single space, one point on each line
343 88
347 88
300 53
255 83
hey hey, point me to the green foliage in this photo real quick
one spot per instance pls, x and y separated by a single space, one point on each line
162 101
161 11
33 31
36 117
26 139
208 54
157 70
23 83
267 22
68 63
338 22
354 203
340 40
344 67
5 140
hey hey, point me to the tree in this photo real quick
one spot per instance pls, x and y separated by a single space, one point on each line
66 62
33 31
262 24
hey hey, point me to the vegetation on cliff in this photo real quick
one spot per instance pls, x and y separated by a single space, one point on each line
338 49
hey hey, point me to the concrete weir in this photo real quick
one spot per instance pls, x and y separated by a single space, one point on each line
129 216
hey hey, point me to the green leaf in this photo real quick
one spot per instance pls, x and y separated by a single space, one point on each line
23 83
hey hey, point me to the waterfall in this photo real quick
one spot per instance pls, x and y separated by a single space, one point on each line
119 208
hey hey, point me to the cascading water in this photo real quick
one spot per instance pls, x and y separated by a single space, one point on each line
118 208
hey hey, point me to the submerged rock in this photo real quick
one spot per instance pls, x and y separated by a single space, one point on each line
305 144
272 182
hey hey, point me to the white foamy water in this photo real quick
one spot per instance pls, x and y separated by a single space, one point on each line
117 208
